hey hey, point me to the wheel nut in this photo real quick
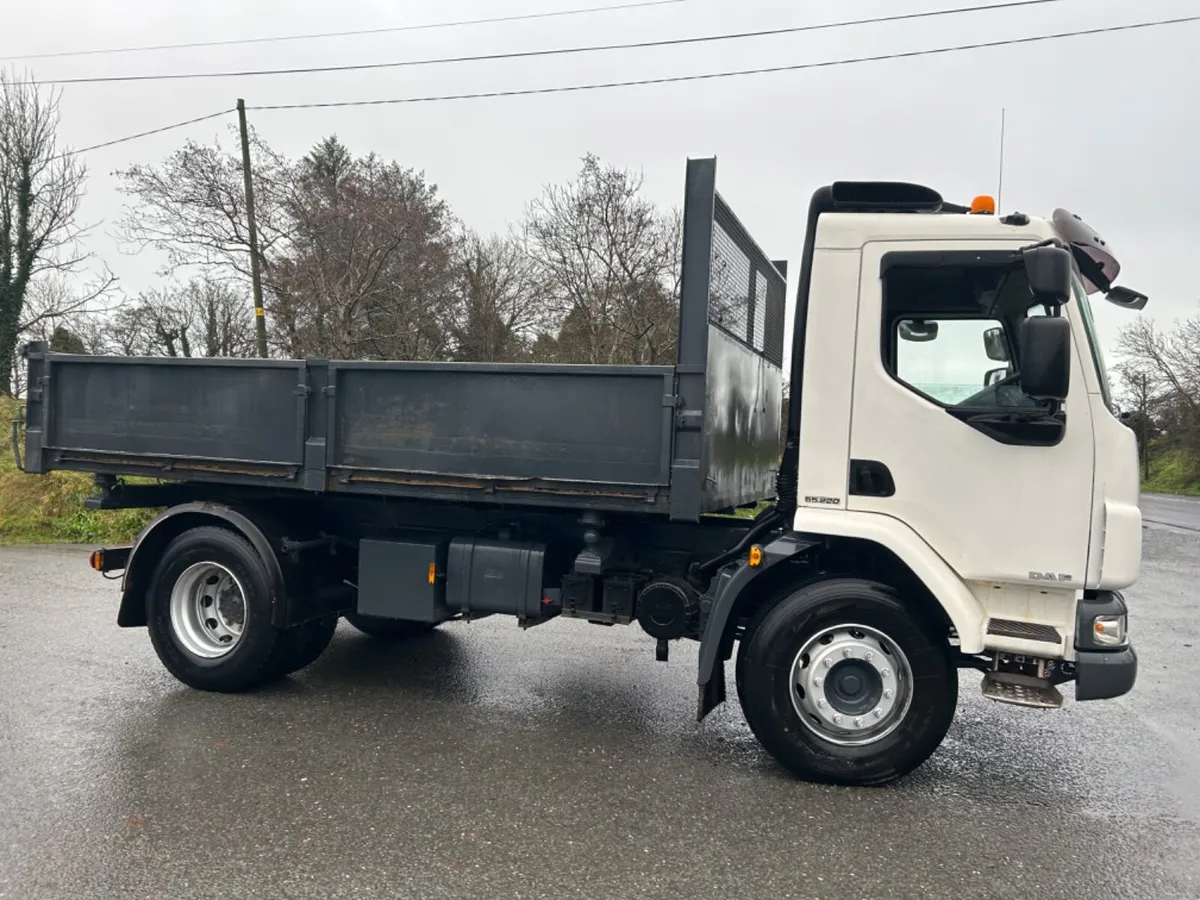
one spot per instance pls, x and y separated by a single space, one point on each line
879 712
858 722
885 673
870 655
821 704
828 662
817 682
889 694
837 719
847 653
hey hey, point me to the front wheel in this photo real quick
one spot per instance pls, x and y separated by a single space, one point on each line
843 684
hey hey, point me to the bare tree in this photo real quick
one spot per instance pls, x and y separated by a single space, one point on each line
41 186
1169 360
356 253
203 318
192 206
1142 402
54 306
610 260
499 304
1160 371
54 300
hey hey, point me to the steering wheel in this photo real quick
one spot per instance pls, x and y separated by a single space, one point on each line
991 396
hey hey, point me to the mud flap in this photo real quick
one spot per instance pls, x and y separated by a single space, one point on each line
712 692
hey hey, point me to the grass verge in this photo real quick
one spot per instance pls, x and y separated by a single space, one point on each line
1174 472
42 509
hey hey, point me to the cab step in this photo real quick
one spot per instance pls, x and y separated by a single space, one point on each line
1021 690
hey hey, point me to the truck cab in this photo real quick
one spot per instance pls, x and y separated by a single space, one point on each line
1031 500
951 426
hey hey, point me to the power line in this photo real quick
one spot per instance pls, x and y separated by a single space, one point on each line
142 134
674 79
557 51
665 80
356 33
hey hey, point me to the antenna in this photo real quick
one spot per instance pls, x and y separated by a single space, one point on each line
1000 184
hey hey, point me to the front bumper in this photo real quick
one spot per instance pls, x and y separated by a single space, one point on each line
1101 672
1100 675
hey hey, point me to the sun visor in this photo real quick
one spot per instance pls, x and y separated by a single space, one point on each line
1097 265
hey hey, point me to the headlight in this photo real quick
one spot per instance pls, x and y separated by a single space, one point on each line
1109 630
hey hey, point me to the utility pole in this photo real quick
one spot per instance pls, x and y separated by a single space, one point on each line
260 322
1145 398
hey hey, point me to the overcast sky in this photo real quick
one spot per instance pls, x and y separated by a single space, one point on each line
1105 126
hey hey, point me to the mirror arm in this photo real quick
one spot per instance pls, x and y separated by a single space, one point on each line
1048 242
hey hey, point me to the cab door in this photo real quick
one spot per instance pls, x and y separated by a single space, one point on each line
998 505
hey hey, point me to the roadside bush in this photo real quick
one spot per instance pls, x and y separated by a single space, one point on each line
1173 472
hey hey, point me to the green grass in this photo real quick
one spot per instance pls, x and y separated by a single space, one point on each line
1173 472
41 509
747 513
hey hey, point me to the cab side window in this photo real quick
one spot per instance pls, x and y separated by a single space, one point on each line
951 360
950 332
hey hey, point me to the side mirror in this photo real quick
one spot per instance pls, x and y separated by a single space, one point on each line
1048 271
918 330
1046 357
995 344
994 376
1126 298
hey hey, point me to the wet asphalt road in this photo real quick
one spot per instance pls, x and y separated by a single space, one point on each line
563 762
1181 512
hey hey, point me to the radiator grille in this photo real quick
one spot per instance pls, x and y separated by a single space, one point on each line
1028 631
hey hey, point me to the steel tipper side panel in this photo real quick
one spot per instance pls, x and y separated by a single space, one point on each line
742 436
588 436
517 432
183 418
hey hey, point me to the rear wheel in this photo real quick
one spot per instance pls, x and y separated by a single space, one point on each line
843 684
305 643
208 610
387 629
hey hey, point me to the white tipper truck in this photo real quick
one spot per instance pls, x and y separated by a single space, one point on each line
950 488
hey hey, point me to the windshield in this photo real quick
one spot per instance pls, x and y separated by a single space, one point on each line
1089 325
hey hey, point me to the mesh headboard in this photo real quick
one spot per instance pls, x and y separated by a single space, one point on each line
729 375
746 292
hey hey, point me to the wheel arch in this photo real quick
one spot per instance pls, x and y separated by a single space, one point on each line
168 525
885 551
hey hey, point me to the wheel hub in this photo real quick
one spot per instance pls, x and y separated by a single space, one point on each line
208 610
853 688
851 684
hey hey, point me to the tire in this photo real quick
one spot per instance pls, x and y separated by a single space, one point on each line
388 629
845 643
217 561
304 643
